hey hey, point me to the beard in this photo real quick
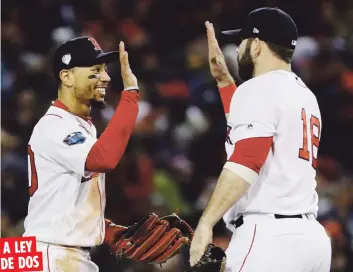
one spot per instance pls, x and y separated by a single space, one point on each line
97 104
94 102
246 64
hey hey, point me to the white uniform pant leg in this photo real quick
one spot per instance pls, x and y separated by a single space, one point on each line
264 243
65 259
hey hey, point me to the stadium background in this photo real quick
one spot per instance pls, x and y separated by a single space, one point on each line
177 148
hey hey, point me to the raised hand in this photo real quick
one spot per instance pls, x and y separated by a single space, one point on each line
217 62
129 79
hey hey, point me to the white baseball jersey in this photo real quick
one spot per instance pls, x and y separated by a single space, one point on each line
67 203
279 105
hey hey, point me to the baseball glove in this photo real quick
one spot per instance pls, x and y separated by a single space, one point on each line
153 239
213 260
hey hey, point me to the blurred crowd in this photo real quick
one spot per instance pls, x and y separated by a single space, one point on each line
177 149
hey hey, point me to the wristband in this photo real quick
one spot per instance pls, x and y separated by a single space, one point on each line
132 88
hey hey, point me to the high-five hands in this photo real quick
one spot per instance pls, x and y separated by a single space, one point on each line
217 62
129 79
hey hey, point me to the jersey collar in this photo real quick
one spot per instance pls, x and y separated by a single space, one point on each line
57 103
285 72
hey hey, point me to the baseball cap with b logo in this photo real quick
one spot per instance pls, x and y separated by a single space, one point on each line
81 52
269 25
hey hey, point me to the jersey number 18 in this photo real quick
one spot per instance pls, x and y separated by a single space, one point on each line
304 152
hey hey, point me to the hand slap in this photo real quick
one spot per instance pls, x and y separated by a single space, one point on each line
213 45
217 61
129 79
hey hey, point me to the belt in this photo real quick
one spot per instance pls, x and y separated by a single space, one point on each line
240 221
86 248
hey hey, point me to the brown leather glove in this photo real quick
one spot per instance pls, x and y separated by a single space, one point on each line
152 240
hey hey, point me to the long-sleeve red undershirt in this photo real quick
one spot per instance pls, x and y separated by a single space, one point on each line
226 94
106 153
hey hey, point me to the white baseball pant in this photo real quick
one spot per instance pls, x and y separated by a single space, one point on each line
264 243
65 259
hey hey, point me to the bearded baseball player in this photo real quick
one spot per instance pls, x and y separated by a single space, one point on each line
67 166
266 191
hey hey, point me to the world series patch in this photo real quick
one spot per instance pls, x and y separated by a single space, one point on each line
75 138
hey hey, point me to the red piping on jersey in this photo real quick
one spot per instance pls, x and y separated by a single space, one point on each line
100 204
82 126
252 242
52 115
48 258
252 152
106 153
226 94
61 105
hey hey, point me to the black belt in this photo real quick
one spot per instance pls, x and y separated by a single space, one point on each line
240 221
86 248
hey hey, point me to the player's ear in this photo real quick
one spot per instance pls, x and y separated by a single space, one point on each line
66 78
256 47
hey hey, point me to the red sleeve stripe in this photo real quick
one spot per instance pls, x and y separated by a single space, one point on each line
252 152
226 94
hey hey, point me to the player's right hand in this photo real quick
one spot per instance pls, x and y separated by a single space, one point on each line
129 79
216 58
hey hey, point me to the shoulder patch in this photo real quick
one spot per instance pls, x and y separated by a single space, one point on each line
75 138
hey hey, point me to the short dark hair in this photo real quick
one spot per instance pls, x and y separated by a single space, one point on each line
57 81
284 53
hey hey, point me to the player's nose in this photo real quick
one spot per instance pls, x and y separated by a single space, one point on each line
104 77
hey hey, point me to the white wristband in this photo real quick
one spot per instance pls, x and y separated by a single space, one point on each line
131 88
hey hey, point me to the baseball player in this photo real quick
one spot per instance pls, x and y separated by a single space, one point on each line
66 161
266 191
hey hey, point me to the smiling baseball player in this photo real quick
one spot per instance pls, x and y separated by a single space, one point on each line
66 161
266 191
67 166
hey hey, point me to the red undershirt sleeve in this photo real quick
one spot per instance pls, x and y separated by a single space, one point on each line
226 94
252 152
106 153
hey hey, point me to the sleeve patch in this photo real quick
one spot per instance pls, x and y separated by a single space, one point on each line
75 138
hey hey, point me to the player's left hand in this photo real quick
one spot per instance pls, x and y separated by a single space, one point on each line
202 238
129 79
218 66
